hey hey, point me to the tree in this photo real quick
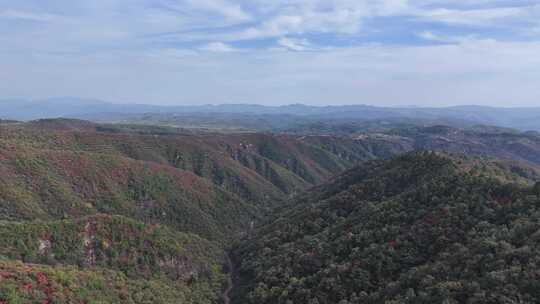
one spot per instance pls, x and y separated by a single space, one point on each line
536 188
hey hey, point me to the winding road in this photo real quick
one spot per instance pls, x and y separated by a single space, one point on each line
225 295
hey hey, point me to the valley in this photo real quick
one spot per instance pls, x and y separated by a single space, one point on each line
269 152
157 208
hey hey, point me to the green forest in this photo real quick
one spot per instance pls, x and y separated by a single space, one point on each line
420 228
95 213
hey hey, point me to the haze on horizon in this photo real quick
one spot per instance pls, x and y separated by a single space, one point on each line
273 52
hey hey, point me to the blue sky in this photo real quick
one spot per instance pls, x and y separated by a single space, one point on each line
387 52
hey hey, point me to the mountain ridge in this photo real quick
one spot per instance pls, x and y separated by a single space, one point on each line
104 201
419 228
523 118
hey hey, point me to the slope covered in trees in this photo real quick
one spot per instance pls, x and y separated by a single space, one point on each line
143 214
390 139
166 265
127 214
496 142
261 168
54 184
33 283
420 228
110 241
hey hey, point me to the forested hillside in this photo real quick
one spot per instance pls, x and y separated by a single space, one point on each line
129 214
55 184
145 264
259 167
269 152
421 228
384 140
145 214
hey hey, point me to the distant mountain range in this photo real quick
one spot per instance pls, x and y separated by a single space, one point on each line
259 117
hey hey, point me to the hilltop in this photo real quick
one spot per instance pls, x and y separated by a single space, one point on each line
420 228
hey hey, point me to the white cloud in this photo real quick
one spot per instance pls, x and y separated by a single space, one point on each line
428 35
218 47
282 18
227 9
473 71
25 15
294 44
85 47
474 17
281 25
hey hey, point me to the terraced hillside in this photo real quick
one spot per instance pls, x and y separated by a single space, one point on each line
420 228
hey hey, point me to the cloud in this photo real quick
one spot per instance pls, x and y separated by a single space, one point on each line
294 44
27 16
281 25
227 9
296 17
478 16
475 71
445 39
428 35
340 51
474 17
218 47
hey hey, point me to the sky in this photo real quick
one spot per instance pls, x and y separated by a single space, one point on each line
273 52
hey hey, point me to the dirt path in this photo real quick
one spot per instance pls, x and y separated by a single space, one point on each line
230 285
